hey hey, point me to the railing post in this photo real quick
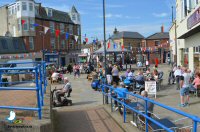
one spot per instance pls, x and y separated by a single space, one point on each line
103 92
41 90
124 113
44 76
146 112
194 126
106 99
38 94
111 102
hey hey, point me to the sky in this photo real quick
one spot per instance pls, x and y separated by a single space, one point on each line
143 16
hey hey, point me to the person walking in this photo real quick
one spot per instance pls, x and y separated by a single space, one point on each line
184 84
115 74
178 74
109 74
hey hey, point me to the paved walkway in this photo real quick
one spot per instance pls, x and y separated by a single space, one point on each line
87 113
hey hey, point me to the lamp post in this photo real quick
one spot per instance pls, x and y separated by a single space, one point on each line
104 31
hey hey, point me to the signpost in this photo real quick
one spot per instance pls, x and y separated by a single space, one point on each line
150 87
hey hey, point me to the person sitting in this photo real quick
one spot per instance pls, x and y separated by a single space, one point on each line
130 75
195 83
155 75
66 89
140 105
54 76
140 77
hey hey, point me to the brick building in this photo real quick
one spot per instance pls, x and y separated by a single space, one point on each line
131 41
158 46
60 49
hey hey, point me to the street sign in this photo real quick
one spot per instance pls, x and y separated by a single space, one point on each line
150 87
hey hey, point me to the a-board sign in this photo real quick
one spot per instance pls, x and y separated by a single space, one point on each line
150 87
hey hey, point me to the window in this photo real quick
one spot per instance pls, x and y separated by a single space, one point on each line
19 24
4 44
186 50
52 27
157 43
71 29
31 25
10 11
73 17
62 28
78 30
71 45
50 12
26 25
63 44
31 43
53 41
18 7
36 10
24 7
30 6
15 44
13 9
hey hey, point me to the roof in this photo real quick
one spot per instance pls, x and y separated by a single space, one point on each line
56 15
74 9
160 35
114 48
12 45
86 46
127 34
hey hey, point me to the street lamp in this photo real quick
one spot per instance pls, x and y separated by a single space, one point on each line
104 31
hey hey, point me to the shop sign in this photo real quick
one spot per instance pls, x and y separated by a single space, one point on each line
193 19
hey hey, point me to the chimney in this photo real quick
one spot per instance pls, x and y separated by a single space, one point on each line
162 29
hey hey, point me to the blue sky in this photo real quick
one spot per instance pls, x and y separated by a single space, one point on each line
143 16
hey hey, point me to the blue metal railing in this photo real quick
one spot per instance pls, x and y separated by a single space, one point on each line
39 71
195 119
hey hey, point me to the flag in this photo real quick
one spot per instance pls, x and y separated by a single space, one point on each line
122 47
57 33
86 40
67 35
46 30
109 44
35 25
76 37
23 22
115 46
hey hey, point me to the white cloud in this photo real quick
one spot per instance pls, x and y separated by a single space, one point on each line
110 15
160 14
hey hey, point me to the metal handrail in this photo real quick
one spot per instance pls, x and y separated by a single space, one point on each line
39 70
193 117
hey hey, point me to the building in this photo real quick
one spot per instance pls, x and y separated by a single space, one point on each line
30 20
185 35
12 48
130 40
85 53
157 46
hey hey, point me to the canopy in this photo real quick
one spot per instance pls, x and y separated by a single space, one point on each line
113 48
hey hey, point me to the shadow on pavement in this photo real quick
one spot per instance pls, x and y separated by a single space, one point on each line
84 103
